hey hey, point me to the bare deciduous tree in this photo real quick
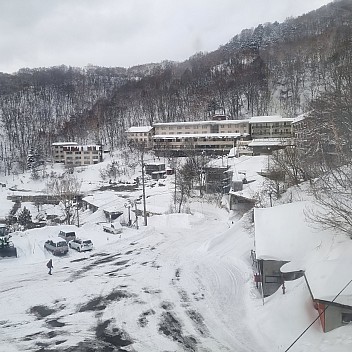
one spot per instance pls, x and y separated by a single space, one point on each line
285 163
328 155
66 190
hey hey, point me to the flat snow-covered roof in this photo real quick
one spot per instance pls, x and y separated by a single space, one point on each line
199 135
210 122
275 118
106 200
140 129
64 143
264 142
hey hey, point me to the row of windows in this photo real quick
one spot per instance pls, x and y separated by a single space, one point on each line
205 130
69 150
86 162
94 152
266 132
171 133
79 158
137 134
183 127
198 146
140 140
195 127
270 124
184 140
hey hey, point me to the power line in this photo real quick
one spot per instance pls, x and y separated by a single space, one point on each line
317 317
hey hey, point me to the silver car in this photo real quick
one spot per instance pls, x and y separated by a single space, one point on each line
57 247
81 245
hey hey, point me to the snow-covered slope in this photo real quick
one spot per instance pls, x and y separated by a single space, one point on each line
184 282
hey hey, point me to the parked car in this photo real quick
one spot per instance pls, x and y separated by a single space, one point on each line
67 235
57 247
113 228
81 245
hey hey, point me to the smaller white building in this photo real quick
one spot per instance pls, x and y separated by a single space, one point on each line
72 154
58 150
141 135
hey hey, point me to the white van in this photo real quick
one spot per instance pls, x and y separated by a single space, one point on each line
67 235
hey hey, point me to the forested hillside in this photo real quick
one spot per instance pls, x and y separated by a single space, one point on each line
275 68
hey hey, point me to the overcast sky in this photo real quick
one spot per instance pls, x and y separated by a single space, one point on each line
44 33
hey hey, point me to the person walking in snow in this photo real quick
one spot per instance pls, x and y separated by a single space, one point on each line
49 264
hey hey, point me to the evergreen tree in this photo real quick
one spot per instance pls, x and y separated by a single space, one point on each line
25 217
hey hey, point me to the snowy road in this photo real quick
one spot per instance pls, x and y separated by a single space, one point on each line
183 283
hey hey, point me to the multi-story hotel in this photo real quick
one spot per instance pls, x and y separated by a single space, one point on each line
217 136
269 133
72 154
301 131
271 127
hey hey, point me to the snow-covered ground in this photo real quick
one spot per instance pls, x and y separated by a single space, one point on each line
184 282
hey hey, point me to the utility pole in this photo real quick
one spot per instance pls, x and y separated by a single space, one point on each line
77 211
136 210
143 187
173 166
271 199
175 195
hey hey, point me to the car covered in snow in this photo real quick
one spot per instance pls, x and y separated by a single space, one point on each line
81 245
113 228
57 247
